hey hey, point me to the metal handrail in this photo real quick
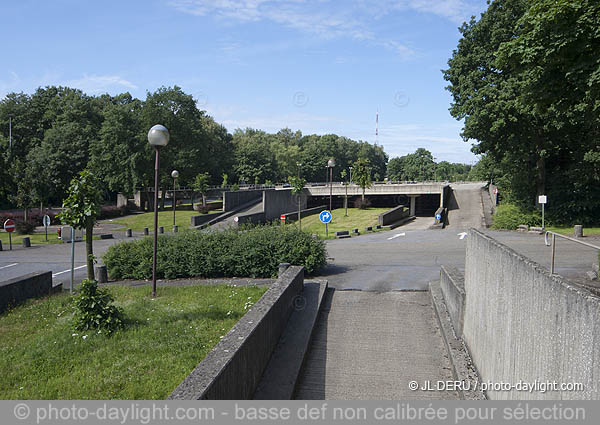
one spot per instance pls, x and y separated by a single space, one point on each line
553 244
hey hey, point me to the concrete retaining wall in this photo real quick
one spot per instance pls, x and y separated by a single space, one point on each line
232 200
232 370
522 324
256 218
199 220
15 291
393 215
452 283
277 202
293 216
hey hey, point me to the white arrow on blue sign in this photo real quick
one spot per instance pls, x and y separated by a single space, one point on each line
438 216
325 217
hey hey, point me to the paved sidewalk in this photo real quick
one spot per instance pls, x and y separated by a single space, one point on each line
371 345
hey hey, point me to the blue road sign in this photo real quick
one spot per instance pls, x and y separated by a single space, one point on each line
438 216
325 217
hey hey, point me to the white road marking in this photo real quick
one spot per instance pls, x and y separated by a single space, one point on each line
66 271
395 236
10 265
462 235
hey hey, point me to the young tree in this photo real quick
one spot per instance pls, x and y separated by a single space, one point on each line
81 209
343 175
362 175
201 185
297 188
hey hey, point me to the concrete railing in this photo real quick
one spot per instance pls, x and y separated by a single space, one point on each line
233 200
522 324
293 216
199 220
393 215
15 291
233 369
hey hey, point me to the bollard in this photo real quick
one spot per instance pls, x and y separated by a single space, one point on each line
282 268
0 245
26 242
101 274
128 233
161 230
578 231
146 231
175 229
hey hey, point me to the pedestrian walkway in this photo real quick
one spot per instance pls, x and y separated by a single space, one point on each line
371 345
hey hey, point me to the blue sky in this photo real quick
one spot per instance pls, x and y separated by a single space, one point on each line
319 66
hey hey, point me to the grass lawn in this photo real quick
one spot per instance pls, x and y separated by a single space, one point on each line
568 231
42 357
37 238
137 222
357 218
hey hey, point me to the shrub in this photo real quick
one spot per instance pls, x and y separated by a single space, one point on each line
247 252
112 211
510 216
94 309
362 204
24 227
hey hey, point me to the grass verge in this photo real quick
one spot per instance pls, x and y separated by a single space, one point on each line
357 218
41 357
137 222
37 238
568 230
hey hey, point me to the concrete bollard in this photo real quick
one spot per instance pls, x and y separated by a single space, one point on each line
128 233
26 242
161 230
282 268
146 231
578 231
175 229
0 245
101 274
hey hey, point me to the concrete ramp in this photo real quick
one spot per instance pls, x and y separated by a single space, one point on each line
370 346
465 206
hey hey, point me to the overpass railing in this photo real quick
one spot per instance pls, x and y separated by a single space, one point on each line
553 244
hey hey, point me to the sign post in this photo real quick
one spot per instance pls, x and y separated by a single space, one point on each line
542 199
325 218
73 258
46 223
282 218
9 226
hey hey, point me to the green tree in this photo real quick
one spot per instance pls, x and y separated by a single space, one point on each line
81 209
201 183
362 175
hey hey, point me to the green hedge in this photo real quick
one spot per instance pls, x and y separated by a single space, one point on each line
254 252
510 216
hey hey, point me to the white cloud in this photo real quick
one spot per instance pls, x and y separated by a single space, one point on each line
96 84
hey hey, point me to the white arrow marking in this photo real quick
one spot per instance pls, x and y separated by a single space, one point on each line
10 265
395 236
65 271
462 235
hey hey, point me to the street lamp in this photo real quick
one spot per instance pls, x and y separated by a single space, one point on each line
330 165
174 174
158 136
299 165
350 174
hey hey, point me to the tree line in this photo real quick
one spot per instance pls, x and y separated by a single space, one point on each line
525 78
59 131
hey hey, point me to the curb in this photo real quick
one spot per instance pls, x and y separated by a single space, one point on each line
463 369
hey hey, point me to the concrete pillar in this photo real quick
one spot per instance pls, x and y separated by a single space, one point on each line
578 231
413 203
101 274
282 268
128 233
26 242
146 231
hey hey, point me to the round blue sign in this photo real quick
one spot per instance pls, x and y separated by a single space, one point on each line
325 217
438 216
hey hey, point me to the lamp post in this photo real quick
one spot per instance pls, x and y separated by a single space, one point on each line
299 165
330 165
174 174
350 174
158 136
